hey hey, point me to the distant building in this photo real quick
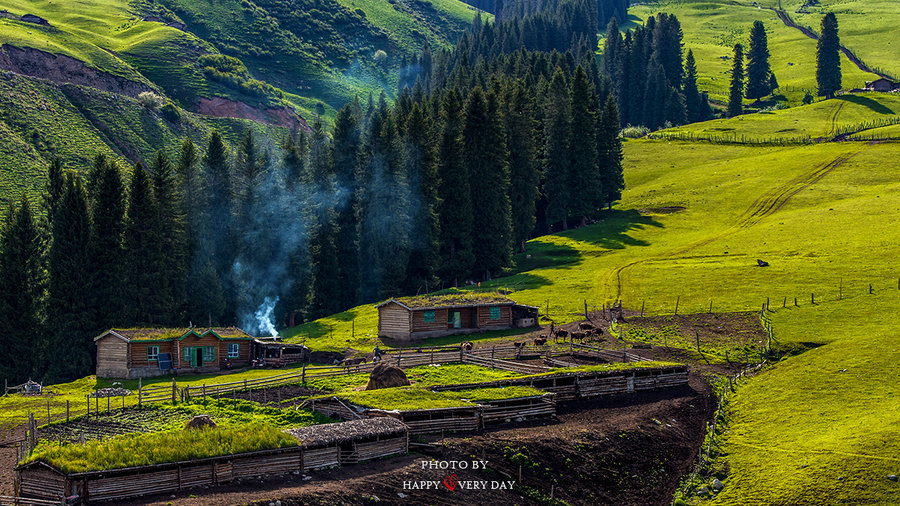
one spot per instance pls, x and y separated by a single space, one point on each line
882 85
137 353
442 315
31 18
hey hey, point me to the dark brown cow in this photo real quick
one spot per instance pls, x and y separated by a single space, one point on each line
561 334
586 326
578 335
467 346
347 362
540 341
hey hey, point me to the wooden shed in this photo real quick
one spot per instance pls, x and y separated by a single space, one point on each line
138 353
882 85
441 315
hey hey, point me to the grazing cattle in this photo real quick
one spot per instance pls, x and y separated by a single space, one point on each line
562 334
586 327
578 335
519 345
540 341
353 361
467 346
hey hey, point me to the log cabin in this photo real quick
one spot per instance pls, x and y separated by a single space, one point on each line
411 318
139 353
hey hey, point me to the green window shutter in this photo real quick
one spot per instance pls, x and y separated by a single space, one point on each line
495 313
429 316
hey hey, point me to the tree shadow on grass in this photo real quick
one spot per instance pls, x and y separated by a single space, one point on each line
611 232
867 102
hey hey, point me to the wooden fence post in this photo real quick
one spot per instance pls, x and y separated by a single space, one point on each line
48 411
585 310
767 303
304 373
710 306
140 387
174 391
67 410
88 399
784 304
795 301
642 308
870 288
812 298
677 300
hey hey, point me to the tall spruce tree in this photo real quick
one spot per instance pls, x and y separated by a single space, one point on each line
421 172
53 191
521 142
759 74
107 269
171 239
22 290
454 192
736 91
70 350
697 108
588 197
656 95
345 146
218 216
828 57
557 164
486 158
609 147
144 259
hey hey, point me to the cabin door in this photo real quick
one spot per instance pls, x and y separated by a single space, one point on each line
198 357
455 320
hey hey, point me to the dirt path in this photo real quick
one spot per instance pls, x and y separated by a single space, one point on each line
786 19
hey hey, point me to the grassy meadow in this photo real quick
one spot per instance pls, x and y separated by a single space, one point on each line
823 426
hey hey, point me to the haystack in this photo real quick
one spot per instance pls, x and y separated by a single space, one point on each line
386 376
200 422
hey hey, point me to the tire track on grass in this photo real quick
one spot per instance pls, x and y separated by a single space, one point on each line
764 205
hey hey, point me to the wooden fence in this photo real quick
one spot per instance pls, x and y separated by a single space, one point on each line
25 501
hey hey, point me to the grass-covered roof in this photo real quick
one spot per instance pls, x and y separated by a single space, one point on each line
330 433
169 333
453 299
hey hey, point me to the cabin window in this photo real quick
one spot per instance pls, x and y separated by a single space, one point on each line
429 316
234 350
187 355
209 354
152 353
495 313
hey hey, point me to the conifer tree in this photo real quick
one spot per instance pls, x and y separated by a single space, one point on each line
107 270
324 284
759 74
657 95
22 291
828 57
421 172
609 147
454 192
146 297
171 240
737 82
696 107
521 142
486 158
588 197
557 164
53 191
218 216
70 349
345 149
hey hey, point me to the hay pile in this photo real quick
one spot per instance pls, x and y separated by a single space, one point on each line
386 376
200 422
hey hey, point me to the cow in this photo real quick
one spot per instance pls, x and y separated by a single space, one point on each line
578 335
519 345
587 327
347 362
561 334
540 341
467 346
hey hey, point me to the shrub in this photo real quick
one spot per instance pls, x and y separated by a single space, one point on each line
380 57
171 112
807 98
635 132
150 100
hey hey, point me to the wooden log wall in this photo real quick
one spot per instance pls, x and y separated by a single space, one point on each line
42 484
321 457
509 409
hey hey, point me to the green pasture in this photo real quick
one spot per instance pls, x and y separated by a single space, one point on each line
863 113
822 427
712 28
411 398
